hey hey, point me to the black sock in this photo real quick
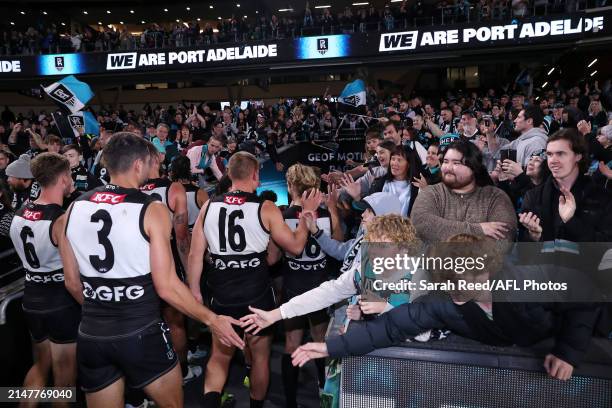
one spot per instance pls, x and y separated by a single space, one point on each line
290 380
320 363
211 400
257 403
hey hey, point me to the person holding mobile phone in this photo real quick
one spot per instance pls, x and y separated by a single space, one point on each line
532 137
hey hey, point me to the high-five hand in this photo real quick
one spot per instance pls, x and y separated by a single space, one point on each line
259 320
307 352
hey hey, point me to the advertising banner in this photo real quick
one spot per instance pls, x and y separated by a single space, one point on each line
559 30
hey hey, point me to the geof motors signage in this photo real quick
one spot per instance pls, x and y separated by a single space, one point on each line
373 47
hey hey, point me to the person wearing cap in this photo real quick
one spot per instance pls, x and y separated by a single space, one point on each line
557 115
21 181
332 291
469 125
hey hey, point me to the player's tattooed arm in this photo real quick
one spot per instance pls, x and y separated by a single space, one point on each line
180 221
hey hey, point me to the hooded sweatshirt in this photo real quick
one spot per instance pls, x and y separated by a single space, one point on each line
528 143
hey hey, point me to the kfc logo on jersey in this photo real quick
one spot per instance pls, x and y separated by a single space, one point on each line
107 198
32 215
234 200
148 187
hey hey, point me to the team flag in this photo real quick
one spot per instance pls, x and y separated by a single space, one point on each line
70 93
353 97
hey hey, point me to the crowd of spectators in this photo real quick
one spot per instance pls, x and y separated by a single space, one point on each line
493 120
492 165
55 38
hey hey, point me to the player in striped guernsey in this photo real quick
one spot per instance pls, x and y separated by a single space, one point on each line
180 171
303 272
118 262
172 194
51 313
236 229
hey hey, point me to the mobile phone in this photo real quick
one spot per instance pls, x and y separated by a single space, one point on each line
487 122
508 154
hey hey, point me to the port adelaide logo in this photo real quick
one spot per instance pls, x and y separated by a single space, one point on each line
59 63
323 45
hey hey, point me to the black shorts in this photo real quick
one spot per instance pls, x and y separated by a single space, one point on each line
265 301
141 358
299 322
59 326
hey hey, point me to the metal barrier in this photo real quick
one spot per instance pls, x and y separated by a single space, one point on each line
462 373
12 281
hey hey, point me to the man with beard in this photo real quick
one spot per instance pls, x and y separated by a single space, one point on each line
466 202
532 137
21 181
445 125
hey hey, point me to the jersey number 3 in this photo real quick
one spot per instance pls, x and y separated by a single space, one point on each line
106 264
233 231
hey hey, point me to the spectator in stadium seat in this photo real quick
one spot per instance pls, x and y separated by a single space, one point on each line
597 116
398 179
465 202
532 137
5 158
431 173
163 145
366 174
469 125
568 205
328 123
82 179
21 181
392 132
207 163
184 137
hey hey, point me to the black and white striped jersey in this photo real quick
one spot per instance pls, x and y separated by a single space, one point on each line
31 233
309 269
105 228
237 242
193 209
158 188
